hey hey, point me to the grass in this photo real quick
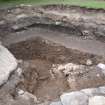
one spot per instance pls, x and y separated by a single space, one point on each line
83 3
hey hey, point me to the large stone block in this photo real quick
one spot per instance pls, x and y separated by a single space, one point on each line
8 64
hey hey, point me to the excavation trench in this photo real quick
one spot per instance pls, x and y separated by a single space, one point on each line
55 55
40 60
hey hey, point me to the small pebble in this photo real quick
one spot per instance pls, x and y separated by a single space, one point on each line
20 92
88 62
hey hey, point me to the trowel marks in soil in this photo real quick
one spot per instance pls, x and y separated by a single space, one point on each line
42 73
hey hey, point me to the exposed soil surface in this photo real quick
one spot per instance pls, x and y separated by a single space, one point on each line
53 44
40 55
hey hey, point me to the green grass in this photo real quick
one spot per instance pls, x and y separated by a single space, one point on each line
82 3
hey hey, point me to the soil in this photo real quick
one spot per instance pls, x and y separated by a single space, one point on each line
55 35
39 55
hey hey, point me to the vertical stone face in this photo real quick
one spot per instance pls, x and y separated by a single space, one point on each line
7 64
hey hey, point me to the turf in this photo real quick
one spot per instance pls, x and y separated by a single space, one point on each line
83 3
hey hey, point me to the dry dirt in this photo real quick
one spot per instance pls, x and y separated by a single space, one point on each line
38 57
46 38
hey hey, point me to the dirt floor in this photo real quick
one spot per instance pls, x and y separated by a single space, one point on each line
58 48
39 76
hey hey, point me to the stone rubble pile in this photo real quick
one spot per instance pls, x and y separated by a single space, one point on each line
80 76
88 96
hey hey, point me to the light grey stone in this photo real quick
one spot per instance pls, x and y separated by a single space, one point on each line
74 98
97 100
102 90
2 22
102 67
56 103
15 27
89 62
21 16
27 96
90 91
94 91
8 64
